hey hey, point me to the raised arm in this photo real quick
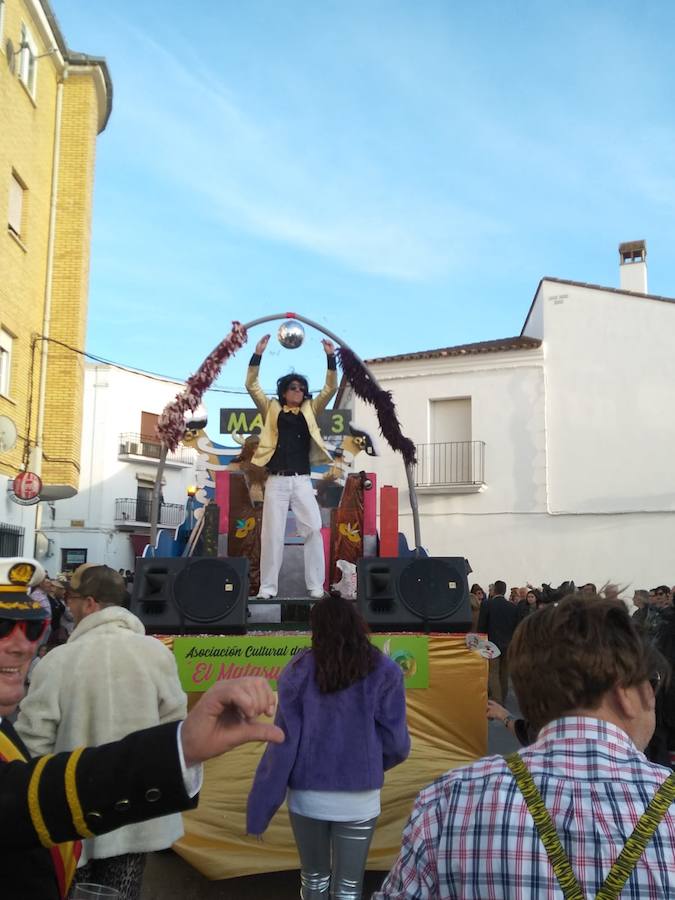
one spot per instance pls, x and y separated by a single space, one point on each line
321 401
252 385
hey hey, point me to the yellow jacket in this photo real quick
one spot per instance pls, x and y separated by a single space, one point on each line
270 409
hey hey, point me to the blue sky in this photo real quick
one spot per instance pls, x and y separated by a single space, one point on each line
402 172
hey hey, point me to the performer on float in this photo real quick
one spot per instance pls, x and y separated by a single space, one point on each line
290 443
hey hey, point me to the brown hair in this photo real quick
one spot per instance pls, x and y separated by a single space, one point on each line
342 651
102 583
565 657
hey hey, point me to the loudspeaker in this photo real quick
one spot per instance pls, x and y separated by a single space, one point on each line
191 595
404 594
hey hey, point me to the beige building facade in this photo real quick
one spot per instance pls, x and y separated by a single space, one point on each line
53 104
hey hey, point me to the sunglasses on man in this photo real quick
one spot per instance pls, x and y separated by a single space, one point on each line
32 630
655 681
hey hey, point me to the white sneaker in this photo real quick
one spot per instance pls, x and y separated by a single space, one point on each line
263 595
317 595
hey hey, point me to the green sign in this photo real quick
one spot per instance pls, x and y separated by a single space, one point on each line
204 660
244 420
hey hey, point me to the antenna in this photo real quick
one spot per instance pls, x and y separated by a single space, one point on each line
24 45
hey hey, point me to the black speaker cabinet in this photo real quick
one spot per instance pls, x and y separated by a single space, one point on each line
191 595
414 594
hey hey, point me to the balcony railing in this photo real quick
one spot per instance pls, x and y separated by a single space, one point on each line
450 463
128 510
148 447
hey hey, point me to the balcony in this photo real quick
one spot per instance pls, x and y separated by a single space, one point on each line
453 467
129 513
146 448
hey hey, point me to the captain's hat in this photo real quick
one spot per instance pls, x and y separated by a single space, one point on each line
17 575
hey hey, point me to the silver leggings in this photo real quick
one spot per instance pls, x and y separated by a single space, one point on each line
332 856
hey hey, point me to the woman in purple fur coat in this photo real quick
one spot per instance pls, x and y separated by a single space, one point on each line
342 709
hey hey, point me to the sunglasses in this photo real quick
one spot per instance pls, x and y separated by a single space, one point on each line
655 681
295 387
32 630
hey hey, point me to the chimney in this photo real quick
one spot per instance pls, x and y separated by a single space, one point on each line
633 266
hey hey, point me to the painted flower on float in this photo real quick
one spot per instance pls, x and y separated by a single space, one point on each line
403 658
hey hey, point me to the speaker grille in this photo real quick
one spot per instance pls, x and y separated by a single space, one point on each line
206 590
431 588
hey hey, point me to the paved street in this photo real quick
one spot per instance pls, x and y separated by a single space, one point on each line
169 878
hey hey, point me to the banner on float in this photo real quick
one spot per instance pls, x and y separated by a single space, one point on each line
202 661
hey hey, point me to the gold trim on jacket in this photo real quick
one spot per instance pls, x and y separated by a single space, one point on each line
270 409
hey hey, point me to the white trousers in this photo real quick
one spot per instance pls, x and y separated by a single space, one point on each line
296 492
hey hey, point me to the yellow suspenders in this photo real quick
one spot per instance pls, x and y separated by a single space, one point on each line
627 859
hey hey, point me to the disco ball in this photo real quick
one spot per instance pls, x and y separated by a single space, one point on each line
291 334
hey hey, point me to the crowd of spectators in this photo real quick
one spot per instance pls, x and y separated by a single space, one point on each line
51 594
653 612
588 665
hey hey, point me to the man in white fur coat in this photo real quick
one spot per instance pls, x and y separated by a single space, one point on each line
108 680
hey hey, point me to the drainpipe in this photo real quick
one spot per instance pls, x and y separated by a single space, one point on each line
36 455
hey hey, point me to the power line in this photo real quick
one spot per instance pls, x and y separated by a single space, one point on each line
144 373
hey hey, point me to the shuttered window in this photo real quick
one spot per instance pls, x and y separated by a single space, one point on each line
6 343
28 61
15 217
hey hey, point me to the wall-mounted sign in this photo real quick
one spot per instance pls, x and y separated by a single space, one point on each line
25 489
332 423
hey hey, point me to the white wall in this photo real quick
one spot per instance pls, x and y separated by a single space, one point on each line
113 402
580 477
610 373
13 514
507 410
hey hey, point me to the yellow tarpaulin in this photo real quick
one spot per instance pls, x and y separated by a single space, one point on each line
448 728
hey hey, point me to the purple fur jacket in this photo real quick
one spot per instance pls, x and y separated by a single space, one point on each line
341 741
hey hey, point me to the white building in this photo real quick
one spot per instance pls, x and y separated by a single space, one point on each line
548 456
108 521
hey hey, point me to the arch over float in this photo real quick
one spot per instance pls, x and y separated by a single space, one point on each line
171 426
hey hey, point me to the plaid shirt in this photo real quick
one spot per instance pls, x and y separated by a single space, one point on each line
470 834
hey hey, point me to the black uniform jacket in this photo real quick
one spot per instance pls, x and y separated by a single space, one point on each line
115 784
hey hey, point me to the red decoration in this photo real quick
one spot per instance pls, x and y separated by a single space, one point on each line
171 425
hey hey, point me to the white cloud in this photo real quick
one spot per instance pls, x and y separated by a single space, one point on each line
281 180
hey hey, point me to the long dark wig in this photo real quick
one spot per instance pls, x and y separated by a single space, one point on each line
342 651
285 380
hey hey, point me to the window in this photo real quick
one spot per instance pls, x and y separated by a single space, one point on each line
448 459
11 540
28 61
71 559
6 342
451 420
17 190
143 503
149 440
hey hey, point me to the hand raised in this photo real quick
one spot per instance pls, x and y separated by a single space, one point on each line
262 344
226 717
328 346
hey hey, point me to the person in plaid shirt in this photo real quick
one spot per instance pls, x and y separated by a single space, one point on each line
586 679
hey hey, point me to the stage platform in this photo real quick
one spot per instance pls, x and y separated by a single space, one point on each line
448 728
284 612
